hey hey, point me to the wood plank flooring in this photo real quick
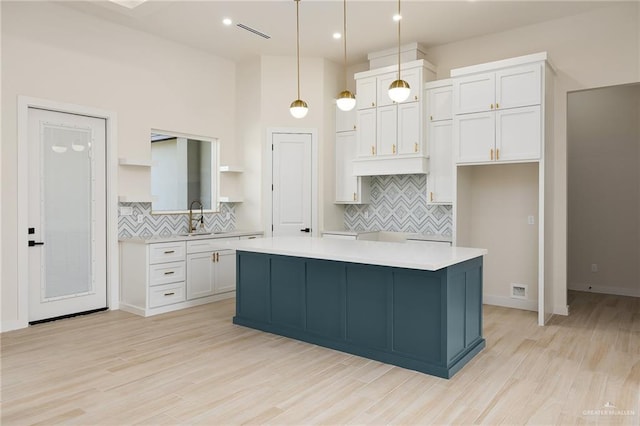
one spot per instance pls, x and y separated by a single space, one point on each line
195 367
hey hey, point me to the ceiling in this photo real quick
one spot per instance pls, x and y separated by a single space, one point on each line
370 26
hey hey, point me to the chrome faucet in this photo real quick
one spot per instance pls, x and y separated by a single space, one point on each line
200 220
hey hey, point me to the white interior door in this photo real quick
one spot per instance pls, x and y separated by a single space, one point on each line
66 214
291 179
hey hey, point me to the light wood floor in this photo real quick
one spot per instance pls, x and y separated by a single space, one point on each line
195 367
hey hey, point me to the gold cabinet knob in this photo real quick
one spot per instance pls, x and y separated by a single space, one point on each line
497 105
491 106
373 104
415 97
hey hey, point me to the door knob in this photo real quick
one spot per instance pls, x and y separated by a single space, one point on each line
305 230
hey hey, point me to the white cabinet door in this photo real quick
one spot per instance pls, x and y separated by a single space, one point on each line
346 183
366 93
200 275
384 81
225 271
518 134
519 86
409 129
440 178
475 137
440 103
474 93
366 134
414 78
345 120
387 122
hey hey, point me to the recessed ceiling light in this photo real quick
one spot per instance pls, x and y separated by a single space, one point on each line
397 17
337 35
227 21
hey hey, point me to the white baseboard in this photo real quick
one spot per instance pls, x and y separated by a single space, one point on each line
618 291
13 325
508 302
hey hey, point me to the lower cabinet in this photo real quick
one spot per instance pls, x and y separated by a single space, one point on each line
163 277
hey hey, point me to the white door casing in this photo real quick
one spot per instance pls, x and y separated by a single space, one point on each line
67 214
269 177
22 249
291 180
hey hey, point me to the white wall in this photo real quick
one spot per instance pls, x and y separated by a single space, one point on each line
604 189
52 52
594 49
274 79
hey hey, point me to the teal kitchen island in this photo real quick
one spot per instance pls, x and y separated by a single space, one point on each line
404 304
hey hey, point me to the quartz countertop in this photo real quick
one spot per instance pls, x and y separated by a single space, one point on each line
391 235
401 255
177 237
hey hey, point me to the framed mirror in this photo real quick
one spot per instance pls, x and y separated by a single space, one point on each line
184 169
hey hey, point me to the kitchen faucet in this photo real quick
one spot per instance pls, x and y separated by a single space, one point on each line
200 219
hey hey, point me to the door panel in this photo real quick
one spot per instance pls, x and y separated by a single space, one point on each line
409 126
474 136
200 275
387 130
366 134
225 276
291 184
67 213
518 134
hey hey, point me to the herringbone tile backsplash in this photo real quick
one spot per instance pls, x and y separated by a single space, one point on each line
170 224
399 203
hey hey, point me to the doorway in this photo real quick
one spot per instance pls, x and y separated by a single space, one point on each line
67 244
603 190
291 183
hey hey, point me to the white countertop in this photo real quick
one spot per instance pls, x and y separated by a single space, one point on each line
399 255
391 235
177 237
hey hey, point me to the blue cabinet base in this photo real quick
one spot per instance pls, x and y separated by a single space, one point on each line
428 321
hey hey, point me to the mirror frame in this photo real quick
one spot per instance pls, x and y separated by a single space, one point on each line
215 169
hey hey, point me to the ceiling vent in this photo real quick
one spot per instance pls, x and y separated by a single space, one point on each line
254 31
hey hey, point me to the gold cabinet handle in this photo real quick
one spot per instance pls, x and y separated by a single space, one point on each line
354 127
169 273
415 97
373 104
217 257
497 153
373 150
430 196
354 196
213 257
415 147
431 117
491 106
491 153
497 105
169 251
393 148
170 294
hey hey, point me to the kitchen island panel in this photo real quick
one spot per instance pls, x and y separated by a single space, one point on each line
252 297
287 295
326 287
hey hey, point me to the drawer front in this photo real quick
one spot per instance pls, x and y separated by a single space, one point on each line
427 243
166 294
164 273
251 237
166 252
211 244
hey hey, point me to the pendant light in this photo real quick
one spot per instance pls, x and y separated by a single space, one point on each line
399 90
298 108
346 100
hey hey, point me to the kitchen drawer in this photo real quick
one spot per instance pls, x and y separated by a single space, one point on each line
166 252
166 294
164 273
210 244
429 243
251 237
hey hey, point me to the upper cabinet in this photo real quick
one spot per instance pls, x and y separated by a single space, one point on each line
346 120
391 137
498 111
438 100
350 189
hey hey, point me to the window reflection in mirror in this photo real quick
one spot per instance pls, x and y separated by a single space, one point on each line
184 169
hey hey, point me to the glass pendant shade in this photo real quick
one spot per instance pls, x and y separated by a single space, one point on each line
346 101
399 91
299 108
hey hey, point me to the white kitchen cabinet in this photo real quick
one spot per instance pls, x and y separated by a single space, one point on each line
391 141
511 87
350 189
498 117
440 178
225 272
439 112
210 273
346 120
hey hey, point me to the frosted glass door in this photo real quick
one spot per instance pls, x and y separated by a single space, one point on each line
67 214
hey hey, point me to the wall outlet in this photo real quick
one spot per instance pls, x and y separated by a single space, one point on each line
140 218
126 211
531 220
366 214
594 267
519 291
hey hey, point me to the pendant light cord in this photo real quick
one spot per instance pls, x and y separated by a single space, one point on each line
344 11
399 21
298 42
